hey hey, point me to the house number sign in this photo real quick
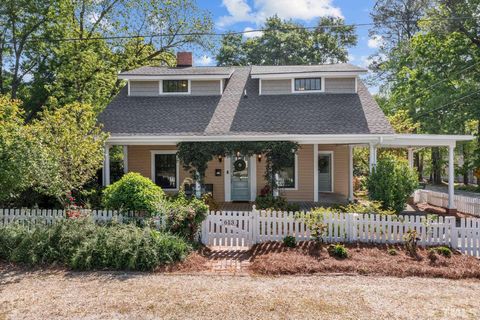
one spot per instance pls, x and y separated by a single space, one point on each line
228 222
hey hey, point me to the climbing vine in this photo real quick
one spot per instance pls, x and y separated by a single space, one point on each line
196 155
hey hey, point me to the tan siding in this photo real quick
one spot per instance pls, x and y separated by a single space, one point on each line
205 88
139 160
283 86
144 88
340 85
305 176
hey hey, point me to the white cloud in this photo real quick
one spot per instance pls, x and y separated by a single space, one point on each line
205 61
252 34
351 58
375 41
241 11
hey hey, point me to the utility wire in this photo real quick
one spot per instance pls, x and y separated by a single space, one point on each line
221 34
422 114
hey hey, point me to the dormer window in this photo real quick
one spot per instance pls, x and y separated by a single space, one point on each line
308 84
175 86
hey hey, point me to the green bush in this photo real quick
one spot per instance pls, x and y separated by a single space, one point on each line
392 252
444 251
184 215
338 251
81 244
269 202
391 182
366 207
316 221
133 192
290 241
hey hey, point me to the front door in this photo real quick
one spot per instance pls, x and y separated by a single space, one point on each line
240 190
325 172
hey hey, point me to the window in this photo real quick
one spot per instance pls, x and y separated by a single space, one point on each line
172 86
286 177
165 170
308 84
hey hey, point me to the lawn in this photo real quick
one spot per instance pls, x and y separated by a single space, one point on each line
107 295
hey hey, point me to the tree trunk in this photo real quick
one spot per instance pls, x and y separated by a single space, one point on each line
418 163
436 166
465 166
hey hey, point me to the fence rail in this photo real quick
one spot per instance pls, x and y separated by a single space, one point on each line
228 228
464 204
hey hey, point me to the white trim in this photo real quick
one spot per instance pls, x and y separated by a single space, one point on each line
221 86
128 87
259 87
253 177
350 173
227 180
289 75
174 77
152 167
315 172
332 170
296 176
390 140
125 159
356 84
106 165
451 177
410 157
189 88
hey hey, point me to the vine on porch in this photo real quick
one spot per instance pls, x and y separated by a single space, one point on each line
277 154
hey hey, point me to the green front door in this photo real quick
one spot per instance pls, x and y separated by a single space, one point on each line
240 190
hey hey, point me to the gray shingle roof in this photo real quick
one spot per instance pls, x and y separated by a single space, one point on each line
159 71
334 67
234 114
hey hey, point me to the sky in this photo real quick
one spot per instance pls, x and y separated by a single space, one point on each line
241 15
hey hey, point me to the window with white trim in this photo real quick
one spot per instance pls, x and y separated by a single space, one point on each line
308 84
172 86
165 166
286 176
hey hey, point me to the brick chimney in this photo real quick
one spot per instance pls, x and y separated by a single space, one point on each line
184 59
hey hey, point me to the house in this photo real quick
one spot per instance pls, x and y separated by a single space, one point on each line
325 108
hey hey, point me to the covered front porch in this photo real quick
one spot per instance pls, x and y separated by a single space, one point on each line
322 173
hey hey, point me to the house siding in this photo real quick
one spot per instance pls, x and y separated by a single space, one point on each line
340 85
139 160
283 86
205 88
144 88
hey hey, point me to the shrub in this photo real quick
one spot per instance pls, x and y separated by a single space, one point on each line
366 207
444 251
82 244
392 252
133 192
338 251
184 216
269 202
290 241
411 240
391 182
315 221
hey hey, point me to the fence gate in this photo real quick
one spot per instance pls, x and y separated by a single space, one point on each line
228 229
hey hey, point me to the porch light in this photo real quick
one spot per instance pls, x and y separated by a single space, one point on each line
219 158
238 154
259 157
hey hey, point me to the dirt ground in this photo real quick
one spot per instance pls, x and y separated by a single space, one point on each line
117 295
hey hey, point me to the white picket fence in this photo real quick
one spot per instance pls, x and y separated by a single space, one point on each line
49 216
464 204
245 228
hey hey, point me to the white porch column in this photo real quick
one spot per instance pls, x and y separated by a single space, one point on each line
350 173
315 172
410 157
451 176
106 165
125 159
373 156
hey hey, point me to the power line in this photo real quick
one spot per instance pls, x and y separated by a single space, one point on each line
445 105
221 34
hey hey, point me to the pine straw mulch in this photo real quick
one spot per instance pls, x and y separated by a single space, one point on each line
274 258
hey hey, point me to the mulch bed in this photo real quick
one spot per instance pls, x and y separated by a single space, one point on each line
306 258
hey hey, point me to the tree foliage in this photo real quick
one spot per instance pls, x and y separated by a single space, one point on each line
391 182
285 42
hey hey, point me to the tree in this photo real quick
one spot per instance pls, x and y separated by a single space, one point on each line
17 150
74 143
287 43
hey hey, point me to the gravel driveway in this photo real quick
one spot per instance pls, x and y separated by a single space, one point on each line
104 295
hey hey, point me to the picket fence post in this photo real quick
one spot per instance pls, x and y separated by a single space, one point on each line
254 229
453 237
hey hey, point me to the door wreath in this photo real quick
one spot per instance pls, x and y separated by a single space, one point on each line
239 165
